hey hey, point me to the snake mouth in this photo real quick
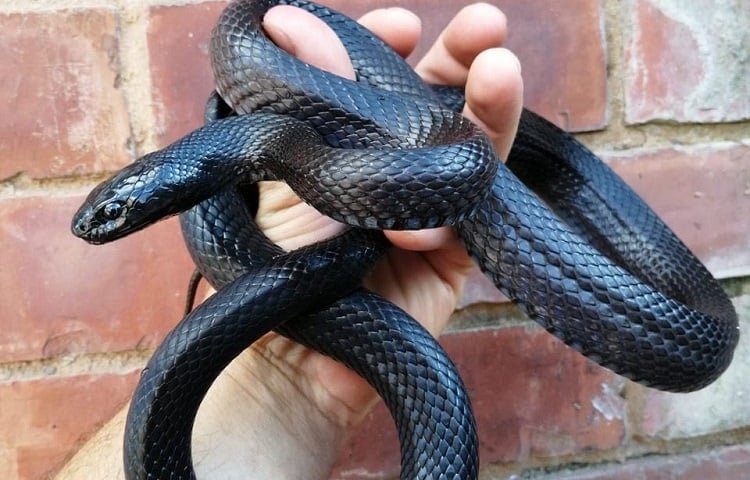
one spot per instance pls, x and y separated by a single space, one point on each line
87 228
98 234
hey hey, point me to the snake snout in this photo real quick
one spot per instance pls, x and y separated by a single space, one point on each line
99 224
81 225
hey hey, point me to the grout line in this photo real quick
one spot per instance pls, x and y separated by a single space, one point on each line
616 68
14 6
583 462
656 135
22 186
135 74
74 365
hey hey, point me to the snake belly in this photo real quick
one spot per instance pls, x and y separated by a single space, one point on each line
555 229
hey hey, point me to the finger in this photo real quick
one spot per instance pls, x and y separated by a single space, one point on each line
474 29
494 99
284 218
462 54
494 96
421 240
397 27
319 45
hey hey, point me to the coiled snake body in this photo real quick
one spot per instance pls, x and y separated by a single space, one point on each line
584 256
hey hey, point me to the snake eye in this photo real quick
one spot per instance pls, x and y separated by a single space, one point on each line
113 210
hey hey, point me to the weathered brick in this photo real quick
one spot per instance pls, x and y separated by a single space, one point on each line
532 396
554 86
61 295
64 113
687 61
729 463
44 421
180 70
720 406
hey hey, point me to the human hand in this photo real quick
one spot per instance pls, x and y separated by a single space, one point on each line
281 410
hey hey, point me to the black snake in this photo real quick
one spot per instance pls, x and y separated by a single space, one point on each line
583 256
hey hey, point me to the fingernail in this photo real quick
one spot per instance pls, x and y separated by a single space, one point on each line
516 61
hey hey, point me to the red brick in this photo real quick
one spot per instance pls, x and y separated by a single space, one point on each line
680 69
532 396
729 463
64 111
45 421
61 295
555 86
180 71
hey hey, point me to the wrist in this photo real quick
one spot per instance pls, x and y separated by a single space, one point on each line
259 408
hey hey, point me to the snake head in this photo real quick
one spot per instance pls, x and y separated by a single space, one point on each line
170 180
127 202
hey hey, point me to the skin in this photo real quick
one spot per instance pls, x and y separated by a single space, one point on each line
283 411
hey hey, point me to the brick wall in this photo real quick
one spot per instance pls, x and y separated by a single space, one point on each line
659 87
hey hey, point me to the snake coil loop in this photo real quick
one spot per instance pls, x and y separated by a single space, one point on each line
581 254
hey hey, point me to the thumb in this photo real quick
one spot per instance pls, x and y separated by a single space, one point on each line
284 218
319 46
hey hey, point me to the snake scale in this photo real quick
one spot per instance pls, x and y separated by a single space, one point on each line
554 228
